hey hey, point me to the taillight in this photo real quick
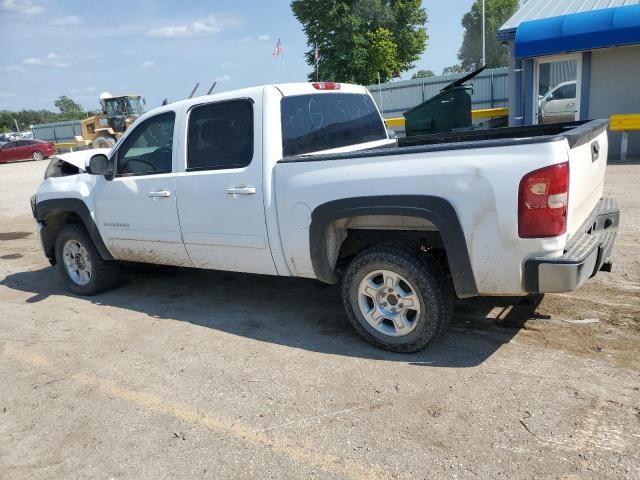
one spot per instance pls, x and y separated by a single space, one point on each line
326 85
543 201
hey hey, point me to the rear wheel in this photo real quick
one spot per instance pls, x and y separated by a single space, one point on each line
37 155
80 264
397 299
103 141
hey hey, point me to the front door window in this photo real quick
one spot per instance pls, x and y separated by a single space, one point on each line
148 149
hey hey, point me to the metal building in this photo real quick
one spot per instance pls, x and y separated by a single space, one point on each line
574 60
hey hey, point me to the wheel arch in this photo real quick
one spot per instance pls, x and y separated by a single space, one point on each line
435 210
54 214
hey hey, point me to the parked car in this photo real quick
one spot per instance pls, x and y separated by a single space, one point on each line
26 150
303 180
559 104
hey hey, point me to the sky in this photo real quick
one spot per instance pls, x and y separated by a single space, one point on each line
161 48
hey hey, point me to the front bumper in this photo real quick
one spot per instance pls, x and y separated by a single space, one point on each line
587 252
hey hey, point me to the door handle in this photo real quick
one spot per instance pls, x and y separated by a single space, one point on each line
160 194
595 151
241 191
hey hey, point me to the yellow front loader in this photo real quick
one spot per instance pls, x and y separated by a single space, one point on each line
118 113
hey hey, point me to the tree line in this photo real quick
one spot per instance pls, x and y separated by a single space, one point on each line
68 110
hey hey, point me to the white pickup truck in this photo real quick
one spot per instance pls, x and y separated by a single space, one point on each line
303 180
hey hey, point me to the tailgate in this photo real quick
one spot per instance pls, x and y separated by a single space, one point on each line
588 145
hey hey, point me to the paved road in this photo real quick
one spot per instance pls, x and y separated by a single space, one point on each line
196 374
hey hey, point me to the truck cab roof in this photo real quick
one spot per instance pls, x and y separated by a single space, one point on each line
285 89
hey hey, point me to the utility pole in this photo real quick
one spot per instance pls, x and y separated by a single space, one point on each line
484 46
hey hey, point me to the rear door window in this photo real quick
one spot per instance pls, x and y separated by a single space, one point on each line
311 123
220 136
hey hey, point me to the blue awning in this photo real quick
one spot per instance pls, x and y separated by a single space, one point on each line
576 32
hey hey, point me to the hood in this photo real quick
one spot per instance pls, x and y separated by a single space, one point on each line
79 159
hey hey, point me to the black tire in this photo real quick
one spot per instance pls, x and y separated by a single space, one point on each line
423 273
37 155
103 141
104 273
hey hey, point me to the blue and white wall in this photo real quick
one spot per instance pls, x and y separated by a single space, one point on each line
614 87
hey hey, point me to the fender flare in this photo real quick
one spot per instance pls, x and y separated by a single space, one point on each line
45 208
436 210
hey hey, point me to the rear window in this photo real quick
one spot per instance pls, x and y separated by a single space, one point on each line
311 123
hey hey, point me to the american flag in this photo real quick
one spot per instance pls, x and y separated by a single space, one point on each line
278 50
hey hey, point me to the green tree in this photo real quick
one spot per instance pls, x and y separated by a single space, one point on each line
422 74
69 110
382 56
496 13
361 39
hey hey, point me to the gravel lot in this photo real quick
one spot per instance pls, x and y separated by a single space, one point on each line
197 374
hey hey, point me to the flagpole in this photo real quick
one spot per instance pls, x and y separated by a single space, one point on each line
317 59
277 52
380 93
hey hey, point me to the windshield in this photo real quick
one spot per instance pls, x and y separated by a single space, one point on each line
135 107
311 123
122 106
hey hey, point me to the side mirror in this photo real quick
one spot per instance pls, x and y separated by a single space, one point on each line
98 164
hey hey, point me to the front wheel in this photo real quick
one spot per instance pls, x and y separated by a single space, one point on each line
37 155
397 299
80 264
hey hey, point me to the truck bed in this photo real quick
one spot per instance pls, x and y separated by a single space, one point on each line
478 173
576 134
572 131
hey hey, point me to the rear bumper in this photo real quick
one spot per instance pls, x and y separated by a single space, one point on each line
588 252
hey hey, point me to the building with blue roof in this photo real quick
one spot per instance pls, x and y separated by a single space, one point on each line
574 60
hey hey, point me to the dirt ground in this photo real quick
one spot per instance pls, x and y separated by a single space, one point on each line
197 374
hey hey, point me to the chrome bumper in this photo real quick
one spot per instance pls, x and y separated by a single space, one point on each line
587 252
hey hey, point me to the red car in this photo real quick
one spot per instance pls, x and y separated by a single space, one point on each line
26 150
